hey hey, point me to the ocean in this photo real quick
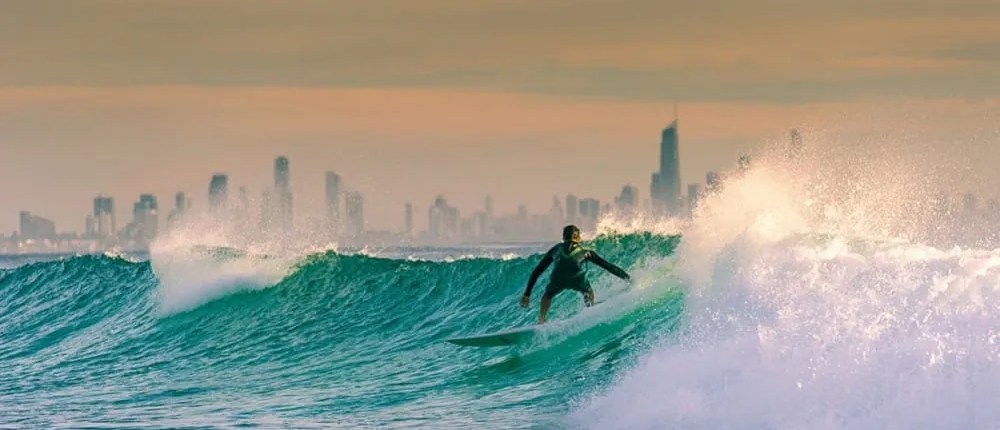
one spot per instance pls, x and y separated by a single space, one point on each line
769 309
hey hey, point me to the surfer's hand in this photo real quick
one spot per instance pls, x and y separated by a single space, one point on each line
525 301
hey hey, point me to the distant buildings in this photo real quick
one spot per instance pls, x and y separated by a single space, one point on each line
34 227
103 222
218 191
355 211
145 222
277 204
281 174
181 206
695 192
442 221
408 220
666 184
713 181
628 200
572 209
333 186
590 212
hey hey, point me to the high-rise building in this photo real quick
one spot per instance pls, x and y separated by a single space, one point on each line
281 210
489 207
145 221
181 202
35 227
181 205
244 200
104 216
590 212
355 211
713 181
666 185
218 191
556 213
590 209
408 219
442 220
694 196
628 200
572 209
333 183
281 174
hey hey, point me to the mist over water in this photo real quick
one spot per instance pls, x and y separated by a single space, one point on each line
826 289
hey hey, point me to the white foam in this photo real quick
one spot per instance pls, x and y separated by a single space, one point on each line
207 258
811 306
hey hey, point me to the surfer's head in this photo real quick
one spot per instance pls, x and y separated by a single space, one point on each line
571 234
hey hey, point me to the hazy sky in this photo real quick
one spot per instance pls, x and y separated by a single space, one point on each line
409 99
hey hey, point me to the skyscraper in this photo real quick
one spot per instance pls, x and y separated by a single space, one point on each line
408 219
218 191
181 206
590 212
145 221
181 202
281 174
713 181
628 199
333 199
36 227
694 196
572 208
556 213
666 185
442 220
355 209
104 216
282 200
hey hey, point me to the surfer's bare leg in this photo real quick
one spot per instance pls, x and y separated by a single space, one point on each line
546 301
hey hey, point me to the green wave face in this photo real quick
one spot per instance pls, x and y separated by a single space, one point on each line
340 341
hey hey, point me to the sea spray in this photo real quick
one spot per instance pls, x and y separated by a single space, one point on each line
827 291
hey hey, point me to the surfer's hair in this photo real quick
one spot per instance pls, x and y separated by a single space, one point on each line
568 232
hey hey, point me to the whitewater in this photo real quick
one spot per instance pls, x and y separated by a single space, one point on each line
800 295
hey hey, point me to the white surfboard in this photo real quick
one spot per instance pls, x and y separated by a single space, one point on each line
509 337
514 336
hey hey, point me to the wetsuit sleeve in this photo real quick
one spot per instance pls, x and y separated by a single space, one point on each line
539 269
614 270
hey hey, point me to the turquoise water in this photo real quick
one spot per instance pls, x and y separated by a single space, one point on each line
333 341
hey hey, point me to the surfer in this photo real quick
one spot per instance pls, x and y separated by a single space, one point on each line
568 273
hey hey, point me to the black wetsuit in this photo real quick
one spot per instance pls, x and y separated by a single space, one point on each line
569 273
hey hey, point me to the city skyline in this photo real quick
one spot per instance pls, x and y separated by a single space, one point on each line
276 204
124 99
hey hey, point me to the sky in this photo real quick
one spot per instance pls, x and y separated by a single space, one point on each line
521 100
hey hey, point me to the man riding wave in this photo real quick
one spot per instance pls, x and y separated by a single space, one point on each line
568 273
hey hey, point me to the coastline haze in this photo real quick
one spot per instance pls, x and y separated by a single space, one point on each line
514 100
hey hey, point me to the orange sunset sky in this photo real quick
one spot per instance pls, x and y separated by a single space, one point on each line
522 100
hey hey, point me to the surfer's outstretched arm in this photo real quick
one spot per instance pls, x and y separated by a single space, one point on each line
604 264
535 274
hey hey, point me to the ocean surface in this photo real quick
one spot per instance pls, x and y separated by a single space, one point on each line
770 309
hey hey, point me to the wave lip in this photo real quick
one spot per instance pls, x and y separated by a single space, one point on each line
821 296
